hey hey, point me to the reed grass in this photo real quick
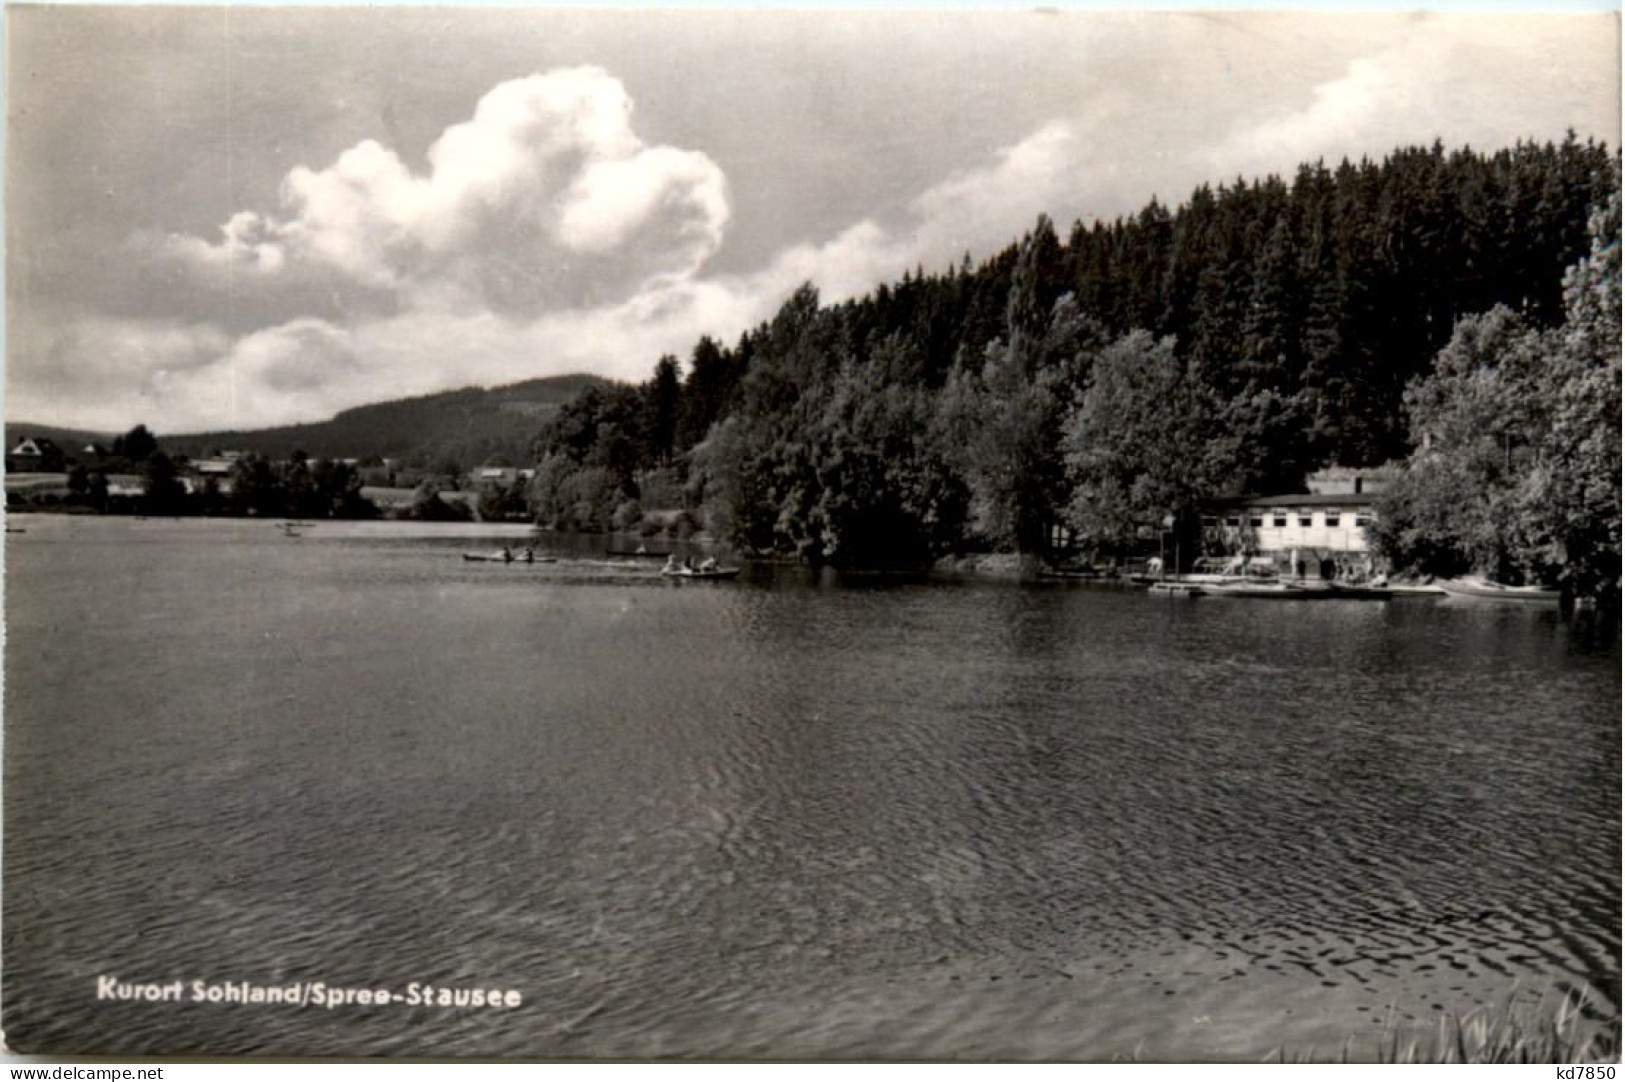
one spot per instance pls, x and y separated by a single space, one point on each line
1568 1031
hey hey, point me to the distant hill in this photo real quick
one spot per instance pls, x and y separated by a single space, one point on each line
467 426
71 440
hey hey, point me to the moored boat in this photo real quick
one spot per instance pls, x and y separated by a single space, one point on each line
1413 589
1267 591
1354 591
1484 589
1175 588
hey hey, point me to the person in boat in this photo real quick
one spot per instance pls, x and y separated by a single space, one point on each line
708 564
688 564
530 555
507 554
672 566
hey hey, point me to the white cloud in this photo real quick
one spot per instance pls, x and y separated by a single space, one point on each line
976 211
1455 80
245 244
100 372
545 197
983 207
543 235
551 158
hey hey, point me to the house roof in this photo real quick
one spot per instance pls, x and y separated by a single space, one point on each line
1298 499
1387 471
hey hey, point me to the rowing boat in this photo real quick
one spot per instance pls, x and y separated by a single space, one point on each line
684 573
499 558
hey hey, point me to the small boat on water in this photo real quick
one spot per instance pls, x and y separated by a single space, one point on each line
1287 590
1353 591
1266 591
1413 589
639 553
1176 588
1070 573
1248 577
686 573
1484 589
500 558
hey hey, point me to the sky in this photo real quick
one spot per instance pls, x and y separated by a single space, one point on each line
234 218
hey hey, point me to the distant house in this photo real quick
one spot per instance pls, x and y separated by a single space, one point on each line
130 486
195 484
1312 523
126 485
213 467
388 498
1328 521
1343 480
35 454
498 476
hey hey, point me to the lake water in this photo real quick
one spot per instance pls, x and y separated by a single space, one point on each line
788 816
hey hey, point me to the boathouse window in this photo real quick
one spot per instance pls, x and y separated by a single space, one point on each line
1279 520
1362 521
1256 519
1209 522
1333 518
1233 521
1306 519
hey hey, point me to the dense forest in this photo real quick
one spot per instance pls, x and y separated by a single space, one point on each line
1517 472
1122 375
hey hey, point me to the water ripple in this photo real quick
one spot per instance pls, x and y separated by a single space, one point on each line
783 817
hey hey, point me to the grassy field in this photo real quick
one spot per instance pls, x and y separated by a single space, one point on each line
35 484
